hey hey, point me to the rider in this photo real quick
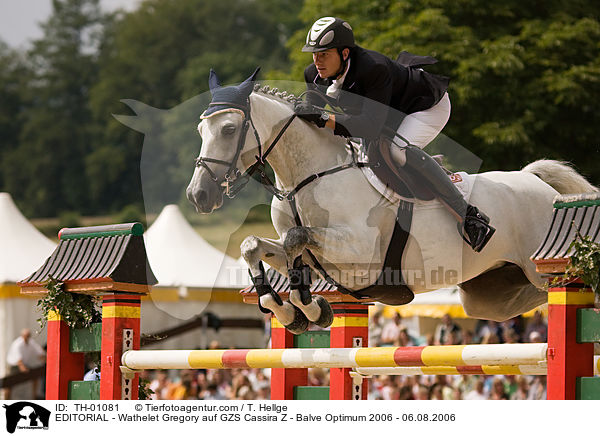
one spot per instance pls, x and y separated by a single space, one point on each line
340 65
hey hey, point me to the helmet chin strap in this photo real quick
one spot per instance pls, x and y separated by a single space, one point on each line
343 66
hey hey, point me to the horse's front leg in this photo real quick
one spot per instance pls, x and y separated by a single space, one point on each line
316 309
255 250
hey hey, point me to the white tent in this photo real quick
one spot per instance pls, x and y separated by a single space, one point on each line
181 257
23 249
191 275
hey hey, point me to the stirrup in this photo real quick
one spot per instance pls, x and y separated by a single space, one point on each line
490 232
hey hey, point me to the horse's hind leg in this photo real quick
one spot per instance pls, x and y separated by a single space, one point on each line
255 250
316 309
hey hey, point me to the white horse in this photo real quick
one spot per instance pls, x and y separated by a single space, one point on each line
341 226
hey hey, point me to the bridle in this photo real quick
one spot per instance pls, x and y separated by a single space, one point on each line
233 180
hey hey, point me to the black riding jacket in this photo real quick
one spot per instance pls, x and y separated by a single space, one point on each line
373 84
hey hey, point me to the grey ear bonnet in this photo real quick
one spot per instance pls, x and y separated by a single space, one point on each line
230 96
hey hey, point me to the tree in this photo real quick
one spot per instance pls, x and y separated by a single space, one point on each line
14 74
47 167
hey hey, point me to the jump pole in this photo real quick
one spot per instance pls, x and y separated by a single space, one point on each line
541 369
428 356
454 370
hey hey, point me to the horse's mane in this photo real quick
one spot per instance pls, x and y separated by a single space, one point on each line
284 96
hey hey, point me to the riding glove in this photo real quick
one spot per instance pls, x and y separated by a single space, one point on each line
308 112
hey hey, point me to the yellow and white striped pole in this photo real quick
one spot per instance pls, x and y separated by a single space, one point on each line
454 355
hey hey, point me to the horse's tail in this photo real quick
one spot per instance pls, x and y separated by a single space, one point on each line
561 176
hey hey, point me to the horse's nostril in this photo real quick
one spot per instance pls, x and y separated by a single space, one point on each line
197 198
202 197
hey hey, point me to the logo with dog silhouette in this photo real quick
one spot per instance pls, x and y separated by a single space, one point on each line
26 415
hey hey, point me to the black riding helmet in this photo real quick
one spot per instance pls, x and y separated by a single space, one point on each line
329 32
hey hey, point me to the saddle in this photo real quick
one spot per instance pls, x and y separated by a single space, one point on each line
403 181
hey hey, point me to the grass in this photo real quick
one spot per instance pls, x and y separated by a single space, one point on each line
226 229
223 238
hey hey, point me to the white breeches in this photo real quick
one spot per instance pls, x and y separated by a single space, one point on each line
420 128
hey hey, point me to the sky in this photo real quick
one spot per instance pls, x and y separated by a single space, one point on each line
19 18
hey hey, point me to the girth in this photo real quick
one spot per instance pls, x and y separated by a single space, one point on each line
389 288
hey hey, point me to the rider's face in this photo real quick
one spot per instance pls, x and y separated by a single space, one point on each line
328 62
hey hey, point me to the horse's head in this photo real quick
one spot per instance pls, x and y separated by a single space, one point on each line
224 129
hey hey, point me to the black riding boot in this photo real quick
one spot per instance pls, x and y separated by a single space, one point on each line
475 225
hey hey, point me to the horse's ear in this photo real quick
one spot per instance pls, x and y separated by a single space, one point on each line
248 84
252 78
213 80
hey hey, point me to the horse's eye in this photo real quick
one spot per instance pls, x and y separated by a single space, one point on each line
229 129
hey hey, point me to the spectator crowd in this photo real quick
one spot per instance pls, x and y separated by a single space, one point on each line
254 384
459 387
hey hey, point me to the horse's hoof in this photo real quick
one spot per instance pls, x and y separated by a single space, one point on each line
300 323
326 318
